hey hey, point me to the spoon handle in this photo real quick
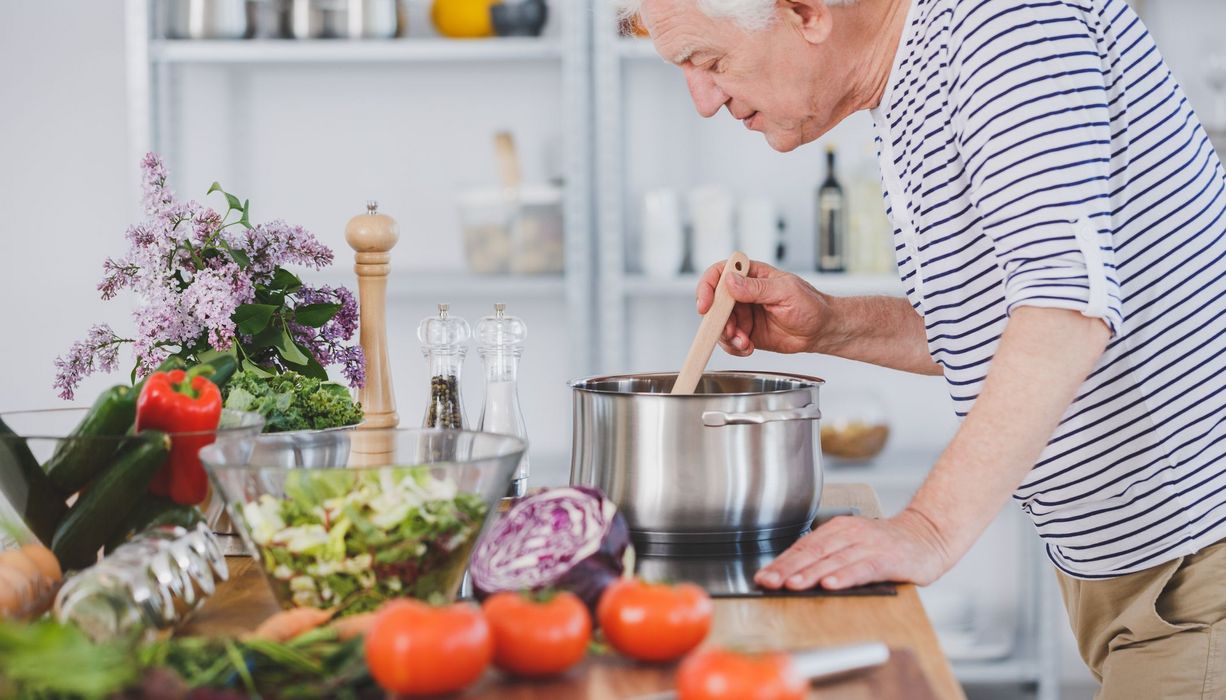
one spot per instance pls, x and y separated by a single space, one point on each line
711 327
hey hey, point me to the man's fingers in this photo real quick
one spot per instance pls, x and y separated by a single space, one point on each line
705 293
808 576
866 571
810 549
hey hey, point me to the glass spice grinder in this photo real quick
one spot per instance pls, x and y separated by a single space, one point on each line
444 343
501 343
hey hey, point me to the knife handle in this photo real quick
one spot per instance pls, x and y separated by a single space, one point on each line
819 663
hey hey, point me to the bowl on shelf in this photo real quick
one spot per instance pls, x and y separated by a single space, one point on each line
349 519
855 426
44 439
519 17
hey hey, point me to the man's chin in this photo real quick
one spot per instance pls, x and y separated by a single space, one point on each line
782 142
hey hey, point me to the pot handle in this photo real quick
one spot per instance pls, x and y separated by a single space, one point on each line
716 419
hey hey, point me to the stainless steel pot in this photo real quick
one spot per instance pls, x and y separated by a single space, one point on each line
208 19
737 461
340 19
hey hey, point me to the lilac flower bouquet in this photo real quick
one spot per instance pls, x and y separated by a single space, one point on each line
210 282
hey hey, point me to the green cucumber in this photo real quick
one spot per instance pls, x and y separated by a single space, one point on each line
86 451
27 489
151 512
97 515
224 367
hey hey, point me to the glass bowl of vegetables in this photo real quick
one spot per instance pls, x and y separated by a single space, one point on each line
347 519
48 457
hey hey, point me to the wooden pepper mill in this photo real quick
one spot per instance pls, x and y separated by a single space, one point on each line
372 236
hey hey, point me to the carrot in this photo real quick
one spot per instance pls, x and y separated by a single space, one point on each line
287 624
353 626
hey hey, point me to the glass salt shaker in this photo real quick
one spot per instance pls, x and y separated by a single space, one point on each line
444 342
501 344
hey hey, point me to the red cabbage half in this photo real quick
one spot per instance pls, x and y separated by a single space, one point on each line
569 538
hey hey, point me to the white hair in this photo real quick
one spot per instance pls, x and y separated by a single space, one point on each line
750 14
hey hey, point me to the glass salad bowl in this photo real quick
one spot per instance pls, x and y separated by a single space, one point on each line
45 440
348 519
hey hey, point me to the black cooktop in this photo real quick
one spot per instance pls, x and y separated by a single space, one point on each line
727 572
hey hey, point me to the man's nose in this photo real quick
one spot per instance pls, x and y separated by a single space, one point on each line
707 96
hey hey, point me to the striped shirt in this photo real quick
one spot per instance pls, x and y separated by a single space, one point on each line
1040 153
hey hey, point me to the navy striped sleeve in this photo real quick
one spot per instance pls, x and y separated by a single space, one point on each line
1032 122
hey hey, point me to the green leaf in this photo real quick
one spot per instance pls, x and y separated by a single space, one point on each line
253 318
316 315
285 280
313 369
246 218
249 366
290 350
239 257
215 187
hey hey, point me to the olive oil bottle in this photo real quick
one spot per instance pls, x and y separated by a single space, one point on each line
831 221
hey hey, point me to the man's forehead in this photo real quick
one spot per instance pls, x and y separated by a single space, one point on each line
677 28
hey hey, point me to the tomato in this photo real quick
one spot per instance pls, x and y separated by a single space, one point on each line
534 637
718 674
654 622
415 649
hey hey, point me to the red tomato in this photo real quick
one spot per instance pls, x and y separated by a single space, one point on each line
415 649
537 638
654 622
718 674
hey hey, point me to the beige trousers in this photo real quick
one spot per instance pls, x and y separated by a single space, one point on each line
1158 634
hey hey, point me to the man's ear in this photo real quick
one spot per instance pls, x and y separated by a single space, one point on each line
809 17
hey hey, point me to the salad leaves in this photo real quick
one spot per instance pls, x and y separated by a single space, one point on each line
291 401
353 538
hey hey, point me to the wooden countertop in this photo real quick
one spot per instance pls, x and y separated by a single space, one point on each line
779 623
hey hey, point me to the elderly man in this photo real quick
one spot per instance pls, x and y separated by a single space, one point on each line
1059 223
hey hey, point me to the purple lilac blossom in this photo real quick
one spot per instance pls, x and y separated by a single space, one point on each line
188 285
98 352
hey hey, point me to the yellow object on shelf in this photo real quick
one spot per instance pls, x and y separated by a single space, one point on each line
463 19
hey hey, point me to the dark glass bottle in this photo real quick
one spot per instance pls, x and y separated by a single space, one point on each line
831 221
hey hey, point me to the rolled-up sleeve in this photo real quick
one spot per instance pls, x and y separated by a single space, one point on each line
1030 116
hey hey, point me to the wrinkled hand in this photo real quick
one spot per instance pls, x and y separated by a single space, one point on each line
775 310
853 551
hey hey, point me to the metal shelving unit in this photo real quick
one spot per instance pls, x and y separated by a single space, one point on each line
153 65
257 51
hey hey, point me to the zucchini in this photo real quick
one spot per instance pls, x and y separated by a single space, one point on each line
152 512
224 367
80 457
26 488
97 515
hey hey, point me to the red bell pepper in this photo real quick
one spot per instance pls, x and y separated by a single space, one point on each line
178 402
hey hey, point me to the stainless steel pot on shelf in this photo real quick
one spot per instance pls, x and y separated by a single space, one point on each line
340 19
207 19
738 461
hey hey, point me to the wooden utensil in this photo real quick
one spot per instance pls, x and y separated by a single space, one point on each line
508 160
711 327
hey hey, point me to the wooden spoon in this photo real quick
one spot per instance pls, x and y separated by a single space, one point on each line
712 326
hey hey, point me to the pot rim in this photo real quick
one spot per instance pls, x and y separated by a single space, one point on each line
577 384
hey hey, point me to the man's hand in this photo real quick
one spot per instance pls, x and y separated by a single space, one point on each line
852 551
775 310
780 312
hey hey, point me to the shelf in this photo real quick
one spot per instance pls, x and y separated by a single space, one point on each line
353 51
893 469
832 283
441 287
